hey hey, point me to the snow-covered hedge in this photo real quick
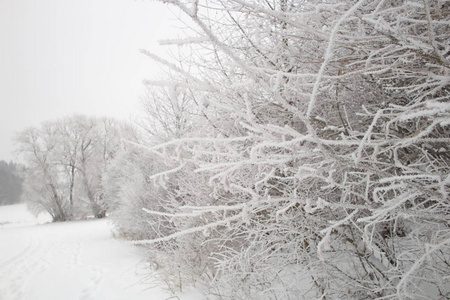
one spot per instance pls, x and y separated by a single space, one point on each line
324 172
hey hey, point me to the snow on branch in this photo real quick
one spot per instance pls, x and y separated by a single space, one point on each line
188 231
185 41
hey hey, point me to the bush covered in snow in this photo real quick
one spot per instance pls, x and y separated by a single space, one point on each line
323 171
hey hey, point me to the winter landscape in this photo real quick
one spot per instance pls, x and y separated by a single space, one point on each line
290 150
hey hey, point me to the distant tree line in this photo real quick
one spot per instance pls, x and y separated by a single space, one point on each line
10 182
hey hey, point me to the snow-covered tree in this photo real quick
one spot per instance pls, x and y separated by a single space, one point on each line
66 160
129 189
170 112
325 169
42 187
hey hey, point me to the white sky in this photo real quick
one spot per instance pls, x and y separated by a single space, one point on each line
61 57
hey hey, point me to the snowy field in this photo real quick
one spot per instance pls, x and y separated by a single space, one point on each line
74 260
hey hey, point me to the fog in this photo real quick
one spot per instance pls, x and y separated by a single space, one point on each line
62 57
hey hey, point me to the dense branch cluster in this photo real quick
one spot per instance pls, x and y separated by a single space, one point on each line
321 168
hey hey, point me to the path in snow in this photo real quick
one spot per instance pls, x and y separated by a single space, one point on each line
73 260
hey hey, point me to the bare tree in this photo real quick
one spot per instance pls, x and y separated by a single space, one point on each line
43 190
67 158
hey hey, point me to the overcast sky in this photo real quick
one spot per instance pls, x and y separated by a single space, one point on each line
61 57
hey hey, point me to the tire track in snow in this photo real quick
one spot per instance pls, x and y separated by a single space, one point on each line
10 288
16 257
19 271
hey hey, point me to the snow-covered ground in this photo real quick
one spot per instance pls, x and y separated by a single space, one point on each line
73 260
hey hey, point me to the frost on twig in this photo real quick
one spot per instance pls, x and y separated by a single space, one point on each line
316 147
